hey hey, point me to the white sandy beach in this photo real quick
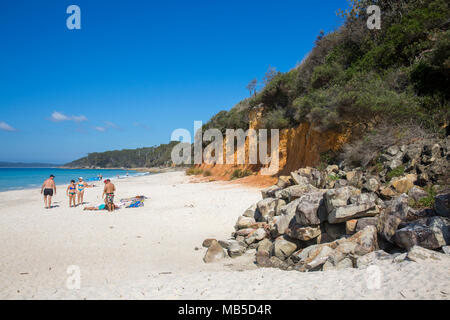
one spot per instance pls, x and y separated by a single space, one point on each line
149 252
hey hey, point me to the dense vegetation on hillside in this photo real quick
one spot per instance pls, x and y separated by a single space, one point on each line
397 74
136 158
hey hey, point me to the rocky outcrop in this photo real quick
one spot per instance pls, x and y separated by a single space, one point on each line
342 217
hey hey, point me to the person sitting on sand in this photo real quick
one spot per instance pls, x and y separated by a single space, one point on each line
71 193
96 208
108 192
81 186
48 189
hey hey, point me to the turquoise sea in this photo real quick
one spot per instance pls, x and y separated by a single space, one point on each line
25 178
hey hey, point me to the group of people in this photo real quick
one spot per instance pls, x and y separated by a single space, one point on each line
75 192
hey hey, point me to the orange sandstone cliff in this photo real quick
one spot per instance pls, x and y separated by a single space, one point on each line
298 147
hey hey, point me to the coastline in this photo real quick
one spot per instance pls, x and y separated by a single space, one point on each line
155 252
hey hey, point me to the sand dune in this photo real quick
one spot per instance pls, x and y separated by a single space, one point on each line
150 252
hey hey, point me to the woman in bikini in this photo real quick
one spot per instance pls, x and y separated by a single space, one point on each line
71 193
81 185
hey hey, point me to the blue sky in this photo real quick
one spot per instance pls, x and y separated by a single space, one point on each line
137 70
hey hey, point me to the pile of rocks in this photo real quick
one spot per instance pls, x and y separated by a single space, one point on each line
342 217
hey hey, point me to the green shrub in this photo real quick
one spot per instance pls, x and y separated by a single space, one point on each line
276 119
426 202
239 173
397 172
207 173
194 171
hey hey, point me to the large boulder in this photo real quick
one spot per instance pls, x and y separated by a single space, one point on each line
403 184
281 223
314 176
348 250
420 255
267 208
270 191
244 222
251 212
378 257
304 233
354 178
235 249
431 233
336 198
353 211
392 216
372 185
313 257
283 247
442 204
364 222
417 193
263 253
298 179
284 181
309 209
294 192
214 253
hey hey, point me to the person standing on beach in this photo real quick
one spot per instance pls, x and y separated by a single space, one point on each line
108 192
48 189
71 193
81 185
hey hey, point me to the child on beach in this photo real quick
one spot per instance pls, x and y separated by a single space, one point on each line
71 193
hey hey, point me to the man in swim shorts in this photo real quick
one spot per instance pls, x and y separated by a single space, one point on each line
48 189
108 192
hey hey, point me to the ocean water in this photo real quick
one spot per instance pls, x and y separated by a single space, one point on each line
25 178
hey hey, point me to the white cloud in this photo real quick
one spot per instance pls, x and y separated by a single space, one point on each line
6 127
100 129
79 118
59 117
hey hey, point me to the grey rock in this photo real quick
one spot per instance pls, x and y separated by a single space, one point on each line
392 216
251 211
446 249
393 150
442 204
244 222
281 222
419 254
372 185
364 222
335 198
283 248
214 253
270 191
304 233
374 258
298 179
294 192
431 233
416 193
268 208
235 250
307 212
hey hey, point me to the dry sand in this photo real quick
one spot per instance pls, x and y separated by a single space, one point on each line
149 252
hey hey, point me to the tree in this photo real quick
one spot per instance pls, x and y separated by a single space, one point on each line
251 87
270 74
